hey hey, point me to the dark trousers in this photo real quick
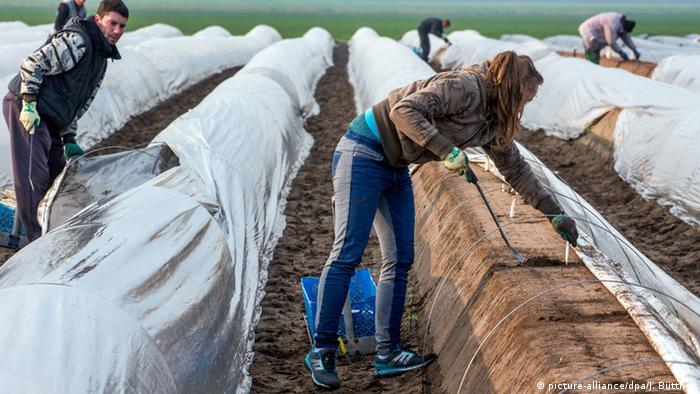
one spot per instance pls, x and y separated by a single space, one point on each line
47 163
424 44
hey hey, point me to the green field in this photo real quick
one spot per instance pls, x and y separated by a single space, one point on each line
388 18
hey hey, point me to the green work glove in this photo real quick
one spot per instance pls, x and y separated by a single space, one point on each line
29 117
566 227
72 149
457 160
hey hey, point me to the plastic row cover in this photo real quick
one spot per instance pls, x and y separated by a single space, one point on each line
311 52
576 93
682 71
158 288
650 312
212 31
149 73
37 33
671 40
14 53
12 25
472 48
371 76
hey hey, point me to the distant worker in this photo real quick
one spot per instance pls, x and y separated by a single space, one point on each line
67 10
431 26
603 30
53 89
429 120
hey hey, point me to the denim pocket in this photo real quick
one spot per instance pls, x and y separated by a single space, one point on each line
366 152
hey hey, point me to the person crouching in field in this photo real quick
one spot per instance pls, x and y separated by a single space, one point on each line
429 26
428 120
603 30
53 89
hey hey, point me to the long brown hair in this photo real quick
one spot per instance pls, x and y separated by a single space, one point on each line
512 77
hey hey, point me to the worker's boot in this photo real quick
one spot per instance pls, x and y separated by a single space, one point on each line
399 361
321 363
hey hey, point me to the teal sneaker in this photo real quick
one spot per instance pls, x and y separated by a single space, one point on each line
399 361
321 363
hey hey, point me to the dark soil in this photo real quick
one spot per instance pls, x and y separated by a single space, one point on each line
669 242
281 338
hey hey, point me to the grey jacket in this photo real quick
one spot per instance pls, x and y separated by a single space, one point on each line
58 56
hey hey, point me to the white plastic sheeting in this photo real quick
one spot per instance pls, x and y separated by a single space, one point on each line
682 71
14 53
671 40
176 265
12 56
38 33
372 78
671 328
576 93
212 31
12 25
183 61
309 53
148 73
473 49
412 40
157 30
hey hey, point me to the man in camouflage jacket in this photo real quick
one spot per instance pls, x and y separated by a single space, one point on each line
53 89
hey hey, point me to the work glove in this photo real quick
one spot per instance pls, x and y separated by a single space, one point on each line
566 227
636 54
29 117
457 160
72 149
623 55
447 41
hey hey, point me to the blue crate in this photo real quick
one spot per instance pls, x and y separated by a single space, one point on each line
362 292
7 218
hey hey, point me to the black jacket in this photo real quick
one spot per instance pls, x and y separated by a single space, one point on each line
63 95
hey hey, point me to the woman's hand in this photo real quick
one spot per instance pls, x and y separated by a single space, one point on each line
457 160
566 227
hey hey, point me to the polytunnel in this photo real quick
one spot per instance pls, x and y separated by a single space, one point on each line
212 31
672 40
12 25
477 297
682 70
156 287
152 69
23 34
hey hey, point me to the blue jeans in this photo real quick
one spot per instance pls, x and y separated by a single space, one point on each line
367 190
